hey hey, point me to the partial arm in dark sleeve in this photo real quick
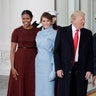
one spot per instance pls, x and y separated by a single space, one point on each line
94 54
90 53
57 51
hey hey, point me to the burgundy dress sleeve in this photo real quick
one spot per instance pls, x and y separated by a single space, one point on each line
14 37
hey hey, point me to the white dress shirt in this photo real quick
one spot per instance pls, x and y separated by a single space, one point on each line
77 50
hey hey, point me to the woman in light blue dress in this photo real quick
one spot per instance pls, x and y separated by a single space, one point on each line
44 62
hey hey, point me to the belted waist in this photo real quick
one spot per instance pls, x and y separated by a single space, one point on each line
24 47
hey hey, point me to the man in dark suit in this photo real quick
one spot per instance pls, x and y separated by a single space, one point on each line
94 60
73 64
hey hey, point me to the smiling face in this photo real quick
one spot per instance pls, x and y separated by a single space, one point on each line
26 20
46 23
46 20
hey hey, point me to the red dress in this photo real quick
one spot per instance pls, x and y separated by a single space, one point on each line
24 63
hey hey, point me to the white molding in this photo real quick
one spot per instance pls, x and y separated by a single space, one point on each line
4 62
71 8
77 4
62 8
91 16
4 70
4 47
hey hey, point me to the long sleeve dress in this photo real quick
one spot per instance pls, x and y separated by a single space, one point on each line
44 62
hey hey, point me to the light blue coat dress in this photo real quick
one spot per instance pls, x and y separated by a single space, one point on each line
44 62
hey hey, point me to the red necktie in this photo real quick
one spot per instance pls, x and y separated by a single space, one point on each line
75 41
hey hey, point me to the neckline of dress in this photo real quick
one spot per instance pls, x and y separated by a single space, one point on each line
46 28
27 29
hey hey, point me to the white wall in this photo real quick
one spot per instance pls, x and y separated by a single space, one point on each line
62 8
10 18
93 16
36 6
86 8
4 25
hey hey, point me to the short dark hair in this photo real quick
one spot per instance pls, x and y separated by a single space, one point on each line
27 12
46 15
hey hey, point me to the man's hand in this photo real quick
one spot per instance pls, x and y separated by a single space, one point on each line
60 73
88 75
93 81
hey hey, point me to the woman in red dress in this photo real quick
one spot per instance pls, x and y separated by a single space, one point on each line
22 57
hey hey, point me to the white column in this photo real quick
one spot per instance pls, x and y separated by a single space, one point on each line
86 8
73 5
62 8
71 8
4 25
77 4
4 37
93 15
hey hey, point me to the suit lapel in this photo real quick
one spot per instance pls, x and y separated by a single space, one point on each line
82 37
69 36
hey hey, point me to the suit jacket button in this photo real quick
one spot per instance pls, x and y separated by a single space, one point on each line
69 72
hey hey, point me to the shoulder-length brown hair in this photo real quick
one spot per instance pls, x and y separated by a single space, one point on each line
46 15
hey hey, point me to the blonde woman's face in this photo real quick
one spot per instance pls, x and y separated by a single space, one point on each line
46 23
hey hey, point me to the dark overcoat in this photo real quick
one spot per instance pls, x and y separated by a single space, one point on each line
94 54
64 58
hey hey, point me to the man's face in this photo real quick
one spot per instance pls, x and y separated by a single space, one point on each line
79 22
